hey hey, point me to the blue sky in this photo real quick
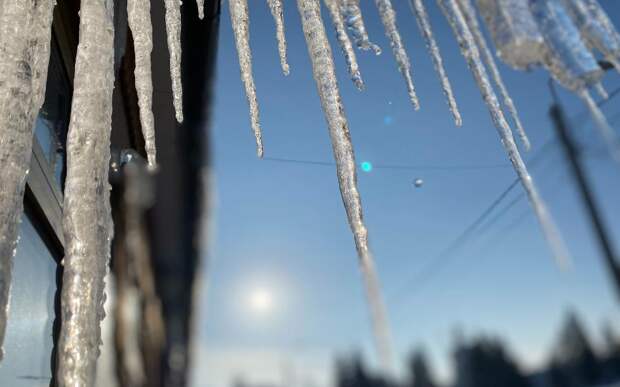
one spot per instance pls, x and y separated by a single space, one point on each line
281 227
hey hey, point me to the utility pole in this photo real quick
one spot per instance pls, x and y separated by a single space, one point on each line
572 154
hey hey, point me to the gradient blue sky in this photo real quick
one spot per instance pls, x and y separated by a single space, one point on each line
282 226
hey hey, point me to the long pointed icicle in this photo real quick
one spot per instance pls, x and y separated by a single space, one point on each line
352 13
388 17
424 24
277 12
325 77
470 16
25 35
173 32
472 55
87 197
345 43
139 18
240 20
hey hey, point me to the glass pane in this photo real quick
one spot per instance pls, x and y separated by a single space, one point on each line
28 343
53 120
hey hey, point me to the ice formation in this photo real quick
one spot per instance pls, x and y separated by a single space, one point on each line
25 32
325 77
424 23
472 55
278 16
139 18
355 22
596 28
514 31
472 22
388 17
201 8
87 220
240 20
571 63
345 42
173 32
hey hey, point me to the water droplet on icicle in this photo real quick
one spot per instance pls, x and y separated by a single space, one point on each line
240 20
325 75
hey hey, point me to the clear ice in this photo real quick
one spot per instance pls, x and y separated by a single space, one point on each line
345 42
355 23
424 23
278 16
139 19
325 77
596 28
514 31
472 55
472 21
388 17
173 33
240 20
25 36
87 221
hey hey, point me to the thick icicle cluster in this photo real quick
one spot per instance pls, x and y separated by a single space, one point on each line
87 220
25 34
278 16
173 31
139 19
325 76
240 19
471 53
472 22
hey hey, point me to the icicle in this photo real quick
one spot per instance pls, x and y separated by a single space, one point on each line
596 28
601 90
570 62
278 16
470 16
240 20
325 77
388 17
472 55
355 22
87 220
515 34
424 24
25 35
139 18
201 8
568 59
173 32
607 132
345 43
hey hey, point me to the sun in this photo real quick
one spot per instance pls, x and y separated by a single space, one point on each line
261 300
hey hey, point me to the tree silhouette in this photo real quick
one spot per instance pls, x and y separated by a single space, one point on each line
421 375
